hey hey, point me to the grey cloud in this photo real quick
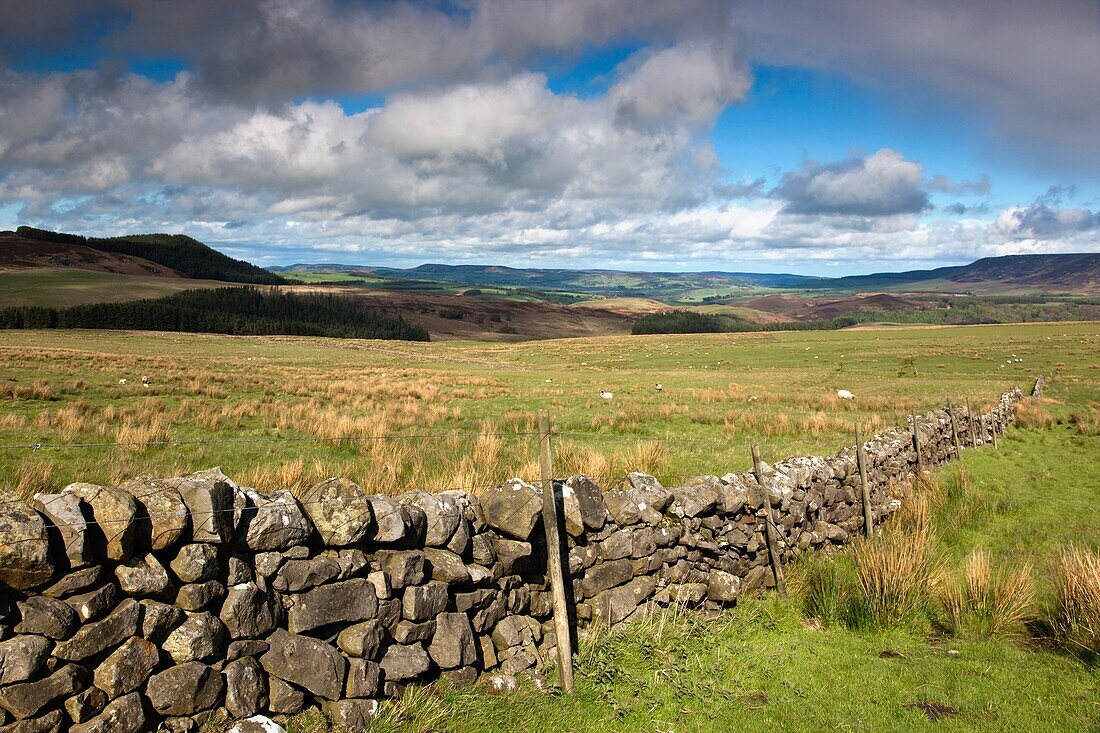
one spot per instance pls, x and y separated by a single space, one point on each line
1042 222
1033 68
882 184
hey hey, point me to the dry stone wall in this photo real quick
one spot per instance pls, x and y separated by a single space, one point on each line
166 602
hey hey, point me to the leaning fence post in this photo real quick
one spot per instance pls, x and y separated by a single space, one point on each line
554 555
861 462
954 429
916 445
970 424
770 530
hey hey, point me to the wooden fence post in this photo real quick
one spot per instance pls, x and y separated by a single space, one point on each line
954 429
771 531
861 462
970 424
554 555
916 445
994 416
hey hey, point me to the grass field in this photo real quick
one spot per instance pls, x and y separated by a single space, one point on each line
58 288
304 405
301 405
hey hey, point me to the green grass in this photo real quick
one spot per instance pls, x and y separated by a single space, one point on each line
702 422
65 287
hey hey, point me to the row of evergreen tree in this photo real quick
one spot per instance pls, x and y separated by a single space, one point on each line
242 311
183 254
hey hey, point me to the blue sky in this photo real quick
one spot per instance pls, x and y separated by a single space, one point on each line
817 138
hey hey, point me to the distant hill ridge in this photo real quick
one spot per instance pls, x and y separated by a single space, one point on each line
187 256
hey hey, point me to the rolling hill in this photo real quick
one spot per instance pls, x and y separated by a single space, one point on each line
186 256
1077 274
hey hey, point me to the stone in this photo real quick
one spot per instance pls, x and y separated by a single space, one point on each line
195 563
127 668
618 545
185 689
516 631
391 520
75 582
442 514
95 603
622 507
482 551
402 567
48 723
124 715
274 521
114 512
299 575
696 497
65 513
361 640
158 620
250 610
46 616
460 540
446 566
354 716
422 602
514 508
453 643
26 699
163 519
209 499
339 511
606 575
722 586
267 563
197 596
143 577
21 657
351 561
97 637
237 571
245 687
283 697
364 678
389 613
257 724
24 546
345 602
199 637
583 505
381 585
509 552
735 494
405 662
245 648
86 704
306 662
406 632
614 605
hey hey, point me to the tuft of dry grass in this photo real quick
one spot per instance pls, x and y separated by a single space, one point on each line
1086 420
1032 413
1076 615
987 603
895 573
35 473
137 433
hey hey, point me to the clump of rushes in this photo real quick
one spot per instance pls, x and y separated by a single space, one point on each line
985 602
896 573
1076 615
